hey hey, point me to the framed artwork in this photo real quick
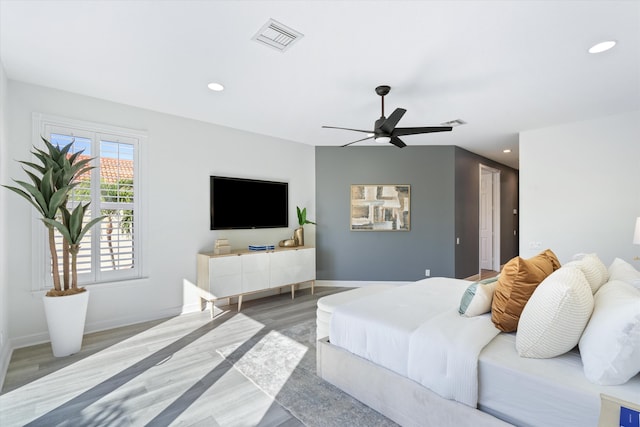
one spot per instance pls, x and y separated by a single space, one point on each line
380 207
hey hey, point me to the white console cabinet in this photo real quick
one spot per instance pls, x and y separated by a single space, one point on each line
245 272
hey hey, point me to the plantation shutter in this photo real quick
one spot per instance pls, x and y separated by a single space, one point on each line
110 250
117 202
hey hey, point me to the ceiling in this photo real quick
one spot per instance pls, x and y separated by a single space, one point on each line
501 66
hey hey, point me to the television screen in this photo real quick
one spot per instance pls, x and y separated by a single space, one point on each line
248 203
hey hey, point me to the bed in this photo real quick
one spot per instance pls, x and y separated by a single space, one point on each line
408 353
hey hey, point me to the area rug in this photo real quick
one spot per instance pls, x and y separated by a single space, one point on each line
283 365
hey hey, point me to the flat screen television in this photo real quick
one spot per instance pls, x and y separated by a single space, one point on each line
239 203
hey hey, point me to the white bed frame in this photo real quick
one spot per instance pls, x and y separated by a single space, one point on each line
398 398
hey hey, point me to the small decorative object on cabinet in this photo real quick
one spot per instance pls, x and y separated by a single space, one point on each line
246 272
222 247
298 234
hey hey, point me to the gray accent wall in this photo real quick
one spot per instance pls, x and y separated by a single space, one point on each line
444 204
342 254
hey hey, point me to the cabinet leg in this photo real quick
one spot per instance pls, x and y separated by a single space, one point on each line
293 291
313 283
239 302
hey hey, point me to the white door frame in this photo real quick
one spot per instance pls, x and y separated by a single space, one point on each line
495 241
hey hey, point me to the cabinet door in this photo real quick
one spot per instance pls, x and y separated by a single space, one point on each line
255 272
225 276
305 265
293 266
281 268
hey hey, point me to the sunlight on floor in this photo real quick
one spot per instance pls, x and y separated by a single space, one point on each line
155 374
270 362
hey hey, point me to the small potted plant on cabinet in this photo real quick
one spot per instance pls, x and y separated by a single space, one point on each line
298 234
51 182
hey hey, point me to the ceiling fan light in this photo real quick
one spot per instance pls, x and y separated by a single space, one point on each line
383 139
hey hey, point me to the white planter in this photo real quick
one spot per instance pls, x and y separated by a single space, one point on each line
65 320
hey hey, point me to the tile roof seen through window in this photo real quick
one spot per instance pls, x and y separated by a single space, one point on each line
111 169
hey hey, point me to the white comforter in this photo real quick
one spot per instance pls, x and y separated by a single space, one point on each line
416 331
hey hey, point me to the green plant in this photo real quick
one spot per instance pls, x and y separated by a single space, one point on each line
52 180
302 217
73 231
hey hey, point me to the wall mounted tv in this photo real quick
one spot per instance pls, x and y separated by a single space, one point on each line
238 203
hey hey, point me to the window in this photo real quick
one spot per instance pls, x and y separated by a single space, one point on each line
112 250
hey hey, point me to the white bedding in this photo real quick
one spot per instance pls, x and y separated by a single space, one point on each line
526 392
416 331
378 327
541 392
443 354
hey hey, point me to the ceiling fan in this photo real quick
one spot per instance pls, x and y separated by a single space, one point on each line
385 129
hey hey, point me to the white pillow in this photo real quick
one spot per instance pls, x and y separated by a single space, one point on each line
593 268
610 345
555 316
478 297
622 270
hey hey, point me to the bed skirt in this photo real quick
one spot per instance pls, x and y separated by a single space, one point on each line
396 397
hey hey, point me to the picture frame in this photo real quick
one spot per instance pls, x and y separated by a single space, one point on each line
376 207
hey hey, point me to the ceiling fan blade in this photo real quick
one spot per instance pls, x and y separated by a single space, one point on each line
414 131
363 139
389 125
356 130
397 142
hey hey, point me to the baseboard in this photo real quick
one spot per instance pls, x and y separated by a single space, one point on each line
356 283
5 358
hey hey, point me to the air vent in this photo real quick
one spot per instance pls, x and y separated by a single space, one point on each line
277 35
454 123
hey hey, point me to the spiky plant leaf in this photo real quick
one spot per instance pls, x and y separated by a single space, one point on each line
34 166
57 201
88 226
36 195
35 179
24 194
75 222
302 217
47 186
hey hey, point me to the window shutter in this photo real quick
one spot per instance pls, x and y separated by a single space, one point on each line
110 251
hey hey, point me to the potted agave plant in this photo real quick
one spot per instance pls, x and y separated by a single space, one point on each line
51 182
298 233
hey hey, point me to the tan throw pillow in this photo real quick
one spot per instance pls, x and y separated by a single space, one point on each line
518 279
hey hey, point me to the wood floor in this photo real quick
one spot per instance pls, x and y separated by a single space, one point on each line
159 373
484 274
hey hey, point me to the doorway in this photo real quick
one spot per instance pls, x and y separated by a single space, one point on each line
489 222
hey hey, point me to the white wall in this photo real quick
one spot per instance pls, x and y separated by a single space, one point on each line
580 188
182 154
5 348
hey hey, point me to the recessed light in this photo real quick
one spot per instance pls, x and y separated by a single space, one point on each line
602 46
506 150
215 87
